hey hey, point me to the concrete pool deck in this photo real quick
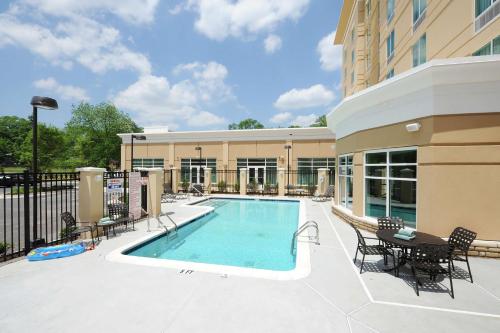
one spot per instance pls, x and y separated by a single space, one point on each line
89 293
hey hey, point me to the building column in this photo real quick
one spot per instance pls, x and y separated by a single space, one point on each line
208 180
323 180
243 181
281 182
90 195
155 190
175 181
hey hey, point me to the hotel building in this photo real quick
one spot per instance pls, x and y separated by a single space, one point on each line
418 130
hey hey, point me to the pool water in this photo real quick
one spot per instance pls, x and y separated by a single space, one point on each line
243 233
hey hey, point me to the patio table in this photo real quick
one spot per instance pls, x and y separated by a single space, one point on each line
387 236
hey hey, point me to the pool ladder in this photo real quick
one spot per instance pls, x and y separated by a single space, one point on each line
305 226
174 231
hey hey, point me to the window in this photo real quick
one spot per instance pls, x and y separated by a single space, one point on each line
419 7
264 168
148 163
345 180
352 78
352 57
419 51
308 170
368 6
390 73
483 5
391 184
492 47
193 170
390 46
390 10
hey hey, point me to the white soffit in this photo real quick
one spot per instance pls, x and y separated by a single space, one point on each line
438 87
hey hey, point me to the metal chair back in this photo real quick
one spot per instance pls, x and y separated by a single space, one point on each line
461 239
390 223
69 220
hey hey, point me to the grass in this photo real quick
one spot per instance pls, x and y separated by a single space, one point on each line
14 169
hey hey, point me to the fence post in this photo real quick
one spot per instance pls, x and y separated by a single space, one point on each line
27 242
323 180
91 195
174 180
243 181
155 183
281 182
208 180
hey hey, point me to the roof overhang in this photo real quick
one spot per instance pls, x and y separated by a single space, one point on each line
268 134
438 87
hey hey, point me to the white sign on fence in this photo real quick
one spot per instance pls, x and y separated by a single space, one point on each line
115 185
134 199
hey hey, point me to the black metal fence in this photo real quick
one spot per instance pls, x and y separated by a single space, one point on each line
225 181
301 182
115 186
21 227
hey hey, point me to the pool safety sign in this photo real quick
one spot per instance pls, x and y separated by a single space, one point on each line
115 185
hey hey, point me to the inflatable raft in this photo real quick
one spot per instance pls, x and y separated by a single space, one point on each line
54 252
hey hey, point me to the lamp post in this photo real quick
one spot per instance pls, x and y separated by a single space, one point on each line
198 148
42 103
288 147
137 137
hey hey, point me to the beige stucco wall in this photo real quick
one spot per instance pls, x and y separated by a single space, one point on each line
458 170
449 29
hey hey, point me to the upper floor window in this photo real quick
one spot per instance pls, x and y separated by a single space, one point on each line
148 163
352 57
419 7
492 47
368 6
390 46
390 10
483 5
419 51
352 35
352 77
390 73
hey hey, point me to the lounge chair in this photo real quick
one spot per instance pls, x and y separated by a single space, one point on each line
375 249
197 190
73 229
460 241
325 196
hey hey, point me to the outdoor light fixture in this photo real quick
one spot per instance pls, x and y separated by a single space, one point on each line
137 137
42 103
413 127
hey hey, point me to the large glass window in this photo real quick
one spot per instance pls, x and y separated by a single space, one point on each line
419 7
148 163
345 180
193 170
390 46
390 73
259 170
308 169
390 10
483 5
419 51
391 184
492 47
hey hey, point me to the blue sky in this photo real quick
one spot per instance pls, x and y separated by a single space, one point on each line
186 64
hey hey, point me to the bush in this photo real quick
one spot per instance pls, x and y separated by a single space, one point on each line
185 186
221 186
237 187
4 247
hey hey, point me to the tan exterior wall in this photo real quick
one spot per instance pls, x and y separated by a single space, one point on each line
448 25
227 153
458 173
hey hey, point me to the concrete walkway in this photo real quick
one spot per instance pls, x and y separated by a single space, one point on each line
87 293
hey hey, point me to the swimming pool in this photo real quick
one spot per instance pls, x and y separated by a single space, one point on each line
244 233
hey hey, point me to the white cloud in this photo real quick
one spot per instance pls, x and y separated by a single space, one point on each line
67 92
304 121
272 44
153 99
313 96
132 11
93 45
281 118
330 55
220 19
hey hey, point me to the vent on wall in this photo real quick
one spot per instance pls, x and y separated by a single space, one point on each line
487 16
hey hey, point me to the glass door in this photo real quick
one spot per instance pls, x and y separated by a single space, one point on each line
197 175
256 175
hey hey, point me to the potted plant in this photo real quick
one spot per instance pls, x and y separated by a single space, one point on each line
237 187
185 186
221 186
4 247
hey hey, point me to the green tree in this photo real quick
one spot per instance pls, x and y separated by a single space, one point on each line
13 131
294 126
51 147
320 122
246 124
93 131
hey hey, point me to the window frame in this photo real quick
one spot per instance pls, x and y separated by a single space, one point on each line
391 16
390 46
388 178
420 11
417 46
347 175
153 162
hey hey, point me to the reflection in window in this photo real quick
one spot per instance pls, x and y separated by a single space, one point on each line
345 180
391 184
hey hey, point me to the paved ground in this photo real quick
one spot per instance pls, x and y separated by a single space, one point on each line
88 293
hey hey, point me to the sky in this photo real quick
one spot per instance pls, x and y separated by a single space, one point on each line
185 64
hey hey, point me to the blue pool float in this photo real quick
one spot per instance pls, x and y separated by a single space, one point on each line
54 252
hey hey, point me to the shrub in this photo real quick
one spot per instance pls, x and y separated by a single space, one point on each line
4 247
221 186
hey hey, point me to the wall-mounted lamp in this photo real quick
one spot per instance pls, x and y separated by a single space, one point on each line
413 127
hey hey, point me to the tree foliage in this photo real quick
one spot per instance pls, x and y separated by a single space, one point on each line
13 130
51 147
320 122
248 123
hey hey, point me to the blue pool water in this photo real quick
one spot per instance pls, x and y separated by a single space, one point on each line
244 233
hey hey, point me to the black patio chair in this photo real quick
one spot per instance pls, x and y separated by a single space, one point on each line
197 190
460 241
73 229
430 259
375 249
391 223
